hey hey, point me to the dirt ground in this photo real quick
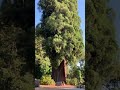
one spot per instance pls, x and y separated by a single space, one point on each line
51 87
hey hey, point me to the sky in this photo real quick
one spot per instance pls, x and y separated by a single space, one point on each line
81 11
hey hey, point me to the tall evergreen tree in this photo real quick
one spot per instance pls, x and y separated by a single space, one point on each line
60 27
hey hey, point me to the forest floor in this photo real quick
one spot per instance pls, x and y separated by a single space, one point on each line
52 87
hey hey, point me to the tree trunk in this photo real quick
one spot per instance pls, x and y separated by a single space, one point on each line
59 74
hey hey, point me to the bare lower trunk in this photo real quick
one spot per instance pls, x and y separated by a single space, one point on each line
59 74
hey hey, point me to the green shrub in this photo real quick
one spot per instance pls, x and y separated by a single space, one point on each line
73 81
68 81
47 80
82 81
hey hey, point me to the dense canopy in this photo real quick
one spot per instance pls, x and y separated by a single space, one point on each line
60 27
101 46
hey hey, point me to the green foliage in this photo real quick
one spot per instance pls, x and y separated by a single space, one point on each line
101 47
77 73
11 63
16 47
73 81
47 80
60 29
42 61
68 81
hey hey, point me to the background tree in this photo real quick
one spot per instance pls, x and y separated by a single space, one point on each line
42 62
12 64
16 46
60 28
101 47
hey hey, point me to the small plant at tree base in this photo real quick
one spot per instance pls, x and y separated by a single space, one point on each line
47 80
73 81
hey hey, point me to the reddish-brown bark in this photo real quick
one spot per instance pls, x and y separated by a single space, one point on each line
59 74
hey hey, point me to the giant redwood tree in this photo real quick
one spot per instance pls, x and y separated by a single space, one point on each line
60 28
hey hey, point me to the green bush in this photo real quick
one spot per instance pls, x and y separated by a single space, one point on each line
67 81
47 80
73 81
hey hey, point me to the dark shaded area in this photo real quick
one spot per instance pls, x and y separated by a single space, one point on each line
102 49
17 48
116 8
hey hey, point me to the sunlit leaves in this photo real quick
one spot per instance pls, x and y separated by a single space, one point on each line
61 31
41 59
